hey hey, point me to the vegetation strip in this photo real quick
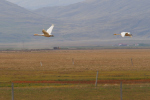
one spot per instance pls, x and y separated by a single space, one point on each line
90 82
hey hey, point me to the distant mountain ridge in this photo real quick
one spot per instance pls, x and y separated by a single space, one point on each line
90 20
35 4
18 24
102 18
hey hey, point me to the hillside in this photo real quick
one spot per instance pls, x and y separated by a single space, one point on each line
99 19
35 4
18 24
85 23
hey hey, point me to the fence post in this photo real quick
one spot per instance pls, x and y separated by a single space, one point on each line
73 61
131 62
41 64
96 79
121 90
12 91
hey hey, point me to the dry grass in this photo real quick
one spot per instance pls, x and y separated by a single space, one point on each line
103 60
57 65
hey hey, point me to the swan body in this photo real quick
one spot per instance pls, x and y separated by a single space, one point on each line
46 33
123 34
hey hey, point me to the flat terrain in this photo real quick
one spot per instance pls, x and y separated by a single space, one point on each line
75 65
66 70
84 60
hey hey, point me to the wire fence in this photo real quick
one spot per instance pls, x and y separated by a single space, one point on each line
75 91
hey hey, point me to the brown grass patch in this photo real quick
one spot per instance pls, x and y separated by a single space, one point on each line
105 60
57 65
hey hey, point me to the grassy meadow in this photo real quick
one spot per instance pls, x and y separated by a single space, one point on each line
80 92
74 65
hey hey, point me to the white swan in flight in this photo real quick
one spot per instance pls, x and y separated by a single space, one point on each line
46 33
123 34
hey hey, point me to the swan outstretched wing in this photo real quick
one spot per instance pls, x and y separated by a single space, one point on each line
50 29
123 34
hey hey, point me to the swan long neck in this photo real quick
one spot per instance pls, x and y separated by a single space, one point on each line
38 34
117 34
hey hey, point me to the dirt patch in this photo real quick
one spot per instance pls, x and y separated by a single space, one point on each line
90 82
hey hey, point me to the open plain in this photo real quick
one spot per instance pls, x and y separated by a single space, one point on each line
71 74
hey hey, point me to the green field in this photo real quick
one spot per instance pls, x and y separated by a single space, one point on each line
78 92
